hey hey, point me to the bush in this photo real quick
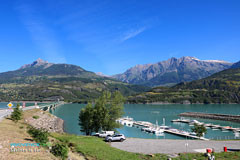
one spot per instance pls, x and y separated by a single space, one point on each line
39 135
35 117
16 114
60 150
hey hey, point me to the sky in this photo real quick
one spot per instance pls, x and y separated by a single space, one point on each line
110 36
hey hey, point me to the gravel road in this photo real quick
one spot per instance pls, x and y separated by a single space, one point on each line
151 146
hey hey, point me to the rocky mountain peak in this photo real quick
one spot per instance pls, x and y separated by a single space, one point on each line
172 71
37 63
189 58
39 60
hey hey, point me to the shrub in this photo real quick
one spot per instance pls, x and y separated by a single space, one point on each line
16 114
39 135
60 150
35 117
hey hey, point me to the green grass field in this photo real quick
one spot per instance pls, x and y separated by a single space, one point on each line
96 149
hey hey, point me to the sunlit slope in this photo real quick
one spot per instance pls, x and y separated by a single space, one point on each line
47 81
222 87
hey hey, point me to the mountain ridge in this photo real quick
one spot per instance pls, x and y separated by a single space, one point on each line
221 87
172 71
42 80
236 65
38 62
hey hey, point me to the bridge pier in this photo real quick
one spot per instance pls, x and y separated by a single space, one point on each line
52 106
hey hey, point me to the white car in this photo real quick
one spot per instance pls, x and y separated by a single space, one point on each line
104 134
117 137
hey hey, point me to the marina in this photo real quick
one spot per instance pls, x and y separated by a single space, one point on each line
156 129
152 113
207 125
225 117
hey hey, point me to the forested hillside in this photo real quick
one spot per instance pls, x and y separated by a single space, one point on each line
222 87
47 81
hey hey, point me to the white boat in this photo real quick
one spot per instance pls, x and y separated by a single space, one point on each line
125 121
149 130
160 134
194 121
215 127
158 130
144 129
193 133
208 125
155 129
176 120
236 134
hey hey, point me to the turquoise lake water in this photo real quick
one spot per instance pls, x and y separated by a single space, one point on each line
146 112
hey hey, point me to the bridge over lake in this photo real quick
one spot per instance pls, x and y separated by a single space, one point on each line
46 107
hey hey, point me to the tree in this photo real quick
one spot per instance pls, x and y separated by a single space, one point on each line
16 114
86 120
101 115
115 111
199 129
108 108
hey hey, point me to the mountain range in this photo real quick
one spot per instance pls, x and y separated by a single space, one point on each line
221 87
172 71
43 81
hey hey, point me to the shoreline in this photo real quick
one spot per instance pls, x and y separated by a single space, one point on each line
159 103
153 103
147 146
46 120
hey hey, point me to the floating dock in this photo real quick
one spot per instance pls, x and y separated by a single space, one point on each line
156 129
213 126
184 134
224 117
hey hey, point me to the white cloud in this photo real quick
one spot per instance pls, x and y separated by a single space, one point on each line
132 33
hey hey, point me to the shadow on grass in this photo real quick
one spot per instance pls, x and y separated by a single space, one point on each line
28 139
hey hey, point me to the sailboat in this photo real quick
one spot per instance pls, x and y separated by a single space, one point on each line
160 129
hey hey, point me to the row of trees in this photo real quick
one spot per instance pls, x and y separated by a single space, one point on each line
103 114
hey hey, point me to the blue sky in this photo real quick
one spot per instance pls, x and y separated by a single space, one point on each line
110 36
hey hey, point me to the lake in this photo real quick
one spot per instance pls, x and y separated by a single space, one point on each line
152 113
